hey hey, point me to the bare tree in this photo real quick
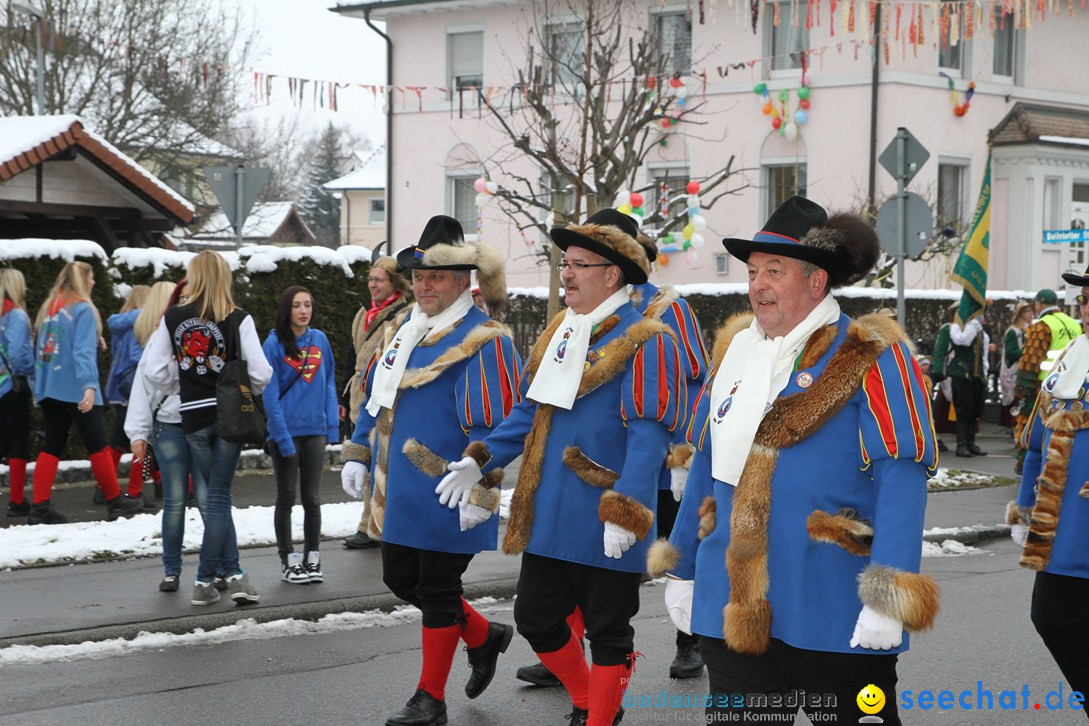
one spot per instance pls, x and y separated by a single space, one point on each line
157 78
596 93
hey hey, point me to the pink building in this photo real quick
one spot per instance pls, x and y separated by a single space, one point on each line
1028 94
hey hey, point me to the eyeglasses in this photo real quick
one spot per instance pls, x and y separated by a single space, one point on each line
579 266
1081 299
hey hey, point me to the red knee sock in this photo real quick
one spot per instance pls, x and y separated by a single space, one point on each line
439 647
136 477
607 686
17 475
475 631
115 454
569 665
45 471
575 622
105 473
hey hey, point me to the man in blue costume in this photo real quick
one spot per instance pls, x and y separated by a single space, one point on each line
1050 518
447 375
602 396
795 555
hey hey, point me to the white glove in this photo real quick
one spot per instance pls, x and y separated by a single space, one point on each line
617 540
352 478
470 515
678 602
455 487
678 475
876 631
1019 533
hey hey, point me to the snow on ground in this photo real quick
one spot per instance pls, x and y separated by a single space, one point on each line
243 629
949 548
957 478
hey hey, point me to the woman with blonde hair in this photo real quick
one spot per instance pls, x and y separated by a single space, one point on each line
66 388
190 347
1013 344
125 354
17 361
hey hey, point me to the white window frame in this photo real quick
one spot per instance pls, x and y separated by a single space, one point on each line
1076 254
964 48
656 16
786 17
462 30
1017 51
653 171
766 165
558 74
381 219
964 163
452 178
722 263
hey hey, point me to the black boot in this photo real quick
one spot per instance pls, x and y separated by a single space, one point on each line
962 439
43 513
482 660
687 663
537 675
422 709
124 506
976 451
941 445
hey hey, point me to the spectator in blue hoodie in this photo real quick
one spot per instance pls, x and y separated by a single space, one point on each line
16 365
301 404
125 352
66 388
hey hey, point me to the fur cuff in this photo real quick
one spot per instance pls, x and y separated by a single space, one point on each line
485 498
844 528
707 511
493 479
478 450
908 597
589 470
679 455
1016 514
424 459
662 557
351 451
623 511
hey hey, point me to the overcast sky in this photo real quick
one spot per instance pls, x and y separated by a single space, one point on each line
304 39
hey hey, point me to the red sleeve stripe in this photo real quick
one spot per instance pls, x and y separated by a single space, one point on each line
680 415
913 411
486 400
879 407
504 379
637 383
663 382
683 333
468 403
692 422
865 454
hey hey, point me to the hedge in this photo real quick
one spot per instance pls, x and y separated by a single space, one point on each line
337 280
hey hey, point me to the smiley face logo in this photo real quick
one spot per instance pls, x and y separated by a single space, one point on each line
871 699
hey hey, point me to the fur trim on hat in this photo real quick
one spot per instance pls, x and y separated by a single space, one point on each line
662 557
851 237
908 597
616 240
486 260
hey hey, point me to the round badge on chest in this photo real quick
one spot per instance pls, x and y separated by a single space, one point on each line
804 379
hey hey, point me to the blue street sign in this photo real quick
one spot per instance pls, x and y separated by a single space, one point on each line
1055 236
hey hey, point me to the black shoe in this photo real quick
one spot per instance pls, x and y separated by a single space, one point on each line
687 663
219 582
360 541
21 509
43 513
169 584
482 660
422 709
578 716
537 675
124 506
975 450
942 446
99 497
962 449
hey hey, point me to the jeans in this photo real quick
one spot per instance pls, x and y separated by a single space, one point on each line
172 453
304 469
214 462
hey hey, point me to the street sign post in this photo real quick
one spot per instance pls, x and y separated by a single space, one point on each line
918 220
902 158
236 188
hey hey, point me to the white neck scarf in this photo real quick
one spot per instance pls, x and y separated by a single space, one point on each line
394 360
558 377
1069 375
753 372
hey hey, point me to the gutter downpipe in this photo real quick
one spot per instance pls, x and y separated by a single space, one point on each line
871 201
389 129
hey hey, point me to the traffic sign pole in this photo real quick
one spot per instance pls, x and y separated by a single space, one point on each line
901 223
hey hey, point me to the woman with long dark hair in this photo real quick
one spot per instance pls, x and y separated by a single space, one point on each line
17 359
301 403
191 346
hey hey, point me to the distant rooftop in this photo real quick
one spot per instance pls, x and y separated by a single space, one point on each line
1033 124
371 174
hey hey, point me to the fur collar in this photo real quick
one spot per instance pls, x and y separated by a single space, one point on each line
663 298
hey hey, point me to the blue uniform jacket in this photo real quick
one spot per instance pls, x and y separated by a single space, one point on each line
600 458
125 351
309 408
874 455
459 384
17 344
1054 486
67 355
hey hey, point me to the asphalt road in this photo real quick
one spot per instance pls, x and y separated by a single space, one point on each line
362 676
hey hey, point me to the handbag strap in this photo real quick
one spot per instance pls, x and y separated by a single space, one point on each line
6 364
306 359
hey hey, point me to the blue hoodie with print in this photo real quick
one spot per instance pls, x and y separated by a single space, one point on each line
309 406
67 355
17 344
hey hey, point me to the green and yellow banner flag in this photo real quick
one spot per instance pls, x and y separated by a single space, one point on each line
971 268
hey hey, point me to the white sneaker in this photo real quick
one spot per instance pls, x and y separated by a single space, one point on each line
313 566
293 571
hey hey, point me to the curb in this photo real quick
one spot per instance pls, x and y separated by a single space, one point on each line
312 611
967 535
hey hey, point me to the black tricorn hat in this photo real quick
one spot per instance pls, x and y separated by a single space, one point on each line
1077 280
610 234
844 245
